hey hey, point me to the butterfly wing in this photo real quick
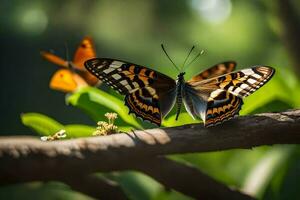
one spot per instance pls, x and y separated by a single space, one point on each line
224 94
54 59
241 83
148 93
222 107
66 81
85 51
214 71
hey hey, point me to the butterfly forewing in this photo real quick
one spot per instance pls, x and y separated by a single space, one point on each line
241 83
55 59
245 82
214 71
144 88
66 81
85 51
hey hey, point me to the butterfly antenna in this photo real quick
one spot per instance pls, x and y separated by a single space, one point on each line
67 56
187 57
163 48
196 57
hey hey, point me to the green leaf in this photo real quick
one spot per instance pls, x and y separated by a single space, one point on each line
41 124
44 125
273 106
96 103
262 173
184 118
78 130
275 89
39 190
138 186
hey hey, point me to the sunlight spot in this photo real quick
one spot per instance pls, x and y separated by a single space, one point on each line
213 11
33 21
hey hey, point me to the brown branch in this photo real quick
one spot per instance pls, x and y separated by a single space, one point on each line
25 158
93 186
187 179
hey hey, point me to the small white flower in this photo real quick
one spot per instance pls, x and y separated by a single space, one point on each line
44 138
61 134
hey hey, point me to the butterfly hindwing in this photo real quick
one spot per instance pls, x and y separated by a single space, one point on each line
223 106
214 71
144 105
66 81
144 88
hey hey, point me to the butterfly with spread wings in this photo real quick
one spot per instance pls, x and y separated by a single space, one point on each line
74 75
215 95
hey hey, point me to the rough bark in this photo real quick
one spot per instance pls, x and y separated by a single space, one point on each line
27 159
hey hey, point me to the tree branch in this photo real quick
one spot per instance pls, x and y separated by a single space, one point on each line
186 179
26 158
93 186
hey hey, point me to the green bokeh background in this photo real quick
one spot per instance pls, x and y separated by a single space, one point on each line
248 32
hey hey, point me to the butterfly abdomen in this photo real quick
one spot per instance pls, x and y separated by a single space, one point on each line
179 103
179 88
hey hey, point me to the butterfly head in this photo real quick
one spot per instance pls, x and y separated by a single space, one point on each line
180 77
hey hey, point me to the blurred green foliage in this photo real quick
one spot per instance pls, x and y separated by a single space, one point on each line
45 126
245 31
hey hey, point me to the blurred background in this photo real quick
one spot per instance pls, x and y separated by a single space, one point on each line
250 32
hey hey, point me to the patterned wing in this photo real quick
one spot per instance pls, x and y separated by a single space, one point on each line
149 94
66 81
54 59
212 110
222 107
214 71
224 94
84 52
241 83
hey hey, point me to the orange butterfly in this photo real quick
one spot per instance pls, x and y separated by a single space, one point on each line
75 75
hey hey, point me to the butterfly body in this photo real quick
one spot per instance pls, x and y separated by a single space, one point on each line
214 95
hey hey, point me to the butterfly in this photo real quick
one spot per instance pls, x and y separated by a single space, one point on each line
215 95
74 75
